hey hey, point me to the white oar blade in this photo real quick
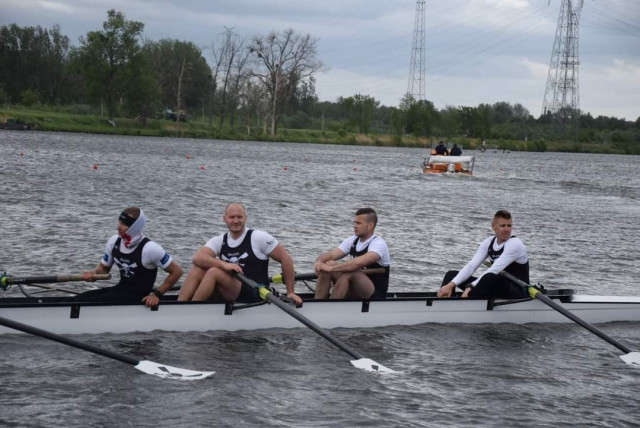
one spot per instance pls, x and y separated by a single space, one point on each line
632 358
165 371
371 366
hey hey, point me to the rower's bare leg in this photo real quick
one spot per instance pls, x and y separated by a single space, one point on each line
323 284
355 285
191 282
219 281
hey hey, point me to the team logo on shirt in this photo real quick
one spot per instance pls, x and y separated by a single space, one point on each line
127 270
235 259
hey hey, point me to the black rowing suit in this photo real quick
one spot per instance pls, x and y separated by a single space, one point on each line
380 280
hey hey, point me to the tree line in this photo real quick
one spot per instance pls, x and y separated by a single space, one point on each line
254 84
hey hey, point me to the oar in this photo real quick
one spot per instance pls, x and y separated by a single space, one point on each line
49 288
277 279
9 280
629 357
360 361
145 366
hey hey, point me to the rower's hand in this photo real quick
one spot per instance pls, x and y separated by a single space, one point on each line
87 276
446 290
316 267
466 292
232 267
151 300
295 298
324 267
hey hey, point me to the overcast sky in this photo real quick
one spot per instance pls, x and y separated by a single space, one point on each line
477 51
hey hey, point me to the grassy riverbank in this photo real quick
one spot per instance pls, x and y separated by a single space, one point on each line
94 124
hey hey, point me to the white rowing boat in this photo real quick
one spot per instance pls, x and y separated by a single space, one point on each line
397 309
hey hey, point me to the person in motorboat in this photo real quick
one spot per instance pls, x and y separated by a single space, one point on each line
138 259
455 151
240 250
505 252
367 250
441 149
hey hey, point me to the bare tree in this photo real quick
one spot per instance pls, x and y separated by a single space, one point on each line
240 79
219 55
283 61
232 49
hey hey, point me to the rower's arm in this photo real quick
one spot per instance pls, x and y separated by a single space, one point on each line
175 272
206 258
334 254
356 263
281 255
100 269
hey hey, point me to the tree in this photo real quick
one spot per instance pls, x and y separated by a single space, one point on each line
28 97
283 61
419 116
232 48
33 58
182 73
108 57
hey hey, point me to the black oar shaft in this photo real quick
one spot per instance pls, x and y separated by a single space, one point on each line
304 320
569 314
67 341
8 280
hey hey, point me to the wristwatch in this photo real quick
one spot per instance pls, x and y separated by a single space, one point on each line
157 293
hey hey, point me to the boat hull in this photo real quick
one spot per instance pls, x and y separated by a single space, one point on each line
408 309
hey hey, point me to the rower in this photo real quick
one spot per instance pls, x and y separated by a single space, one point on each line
368 251
241 250
506 252
138 259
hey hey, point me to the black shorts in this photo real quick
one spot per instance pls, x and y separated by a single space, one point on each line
248 294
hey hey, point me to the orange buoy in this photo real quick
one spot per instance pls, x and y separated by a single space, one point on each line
202 167
188 156
95 166
286 168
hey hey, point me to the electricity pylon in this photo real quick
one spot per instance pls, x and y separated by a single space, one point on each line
417 75
562 92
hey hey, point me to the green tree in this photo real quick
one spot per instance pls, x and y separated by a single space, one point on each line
28 97
4 97
449 121
419 116
361 110
181 71
108 59
33 58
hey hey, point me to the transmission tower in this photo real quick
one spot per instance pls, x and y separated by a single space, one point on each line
417 66
562 91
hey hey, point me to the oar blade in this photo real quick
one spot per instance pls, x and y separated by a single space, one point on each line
164 371
371 366
632 358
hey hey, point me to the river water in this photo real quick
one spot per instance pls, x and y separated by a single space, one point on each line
577 213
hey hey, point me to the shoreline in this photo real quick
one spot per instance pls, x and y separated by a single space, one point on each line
42 120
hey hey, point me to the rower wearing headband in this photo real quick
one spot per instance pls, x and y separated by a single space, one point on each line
138 259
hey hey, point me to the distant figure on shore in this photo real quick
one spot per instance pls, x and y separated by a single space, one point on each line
455 151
